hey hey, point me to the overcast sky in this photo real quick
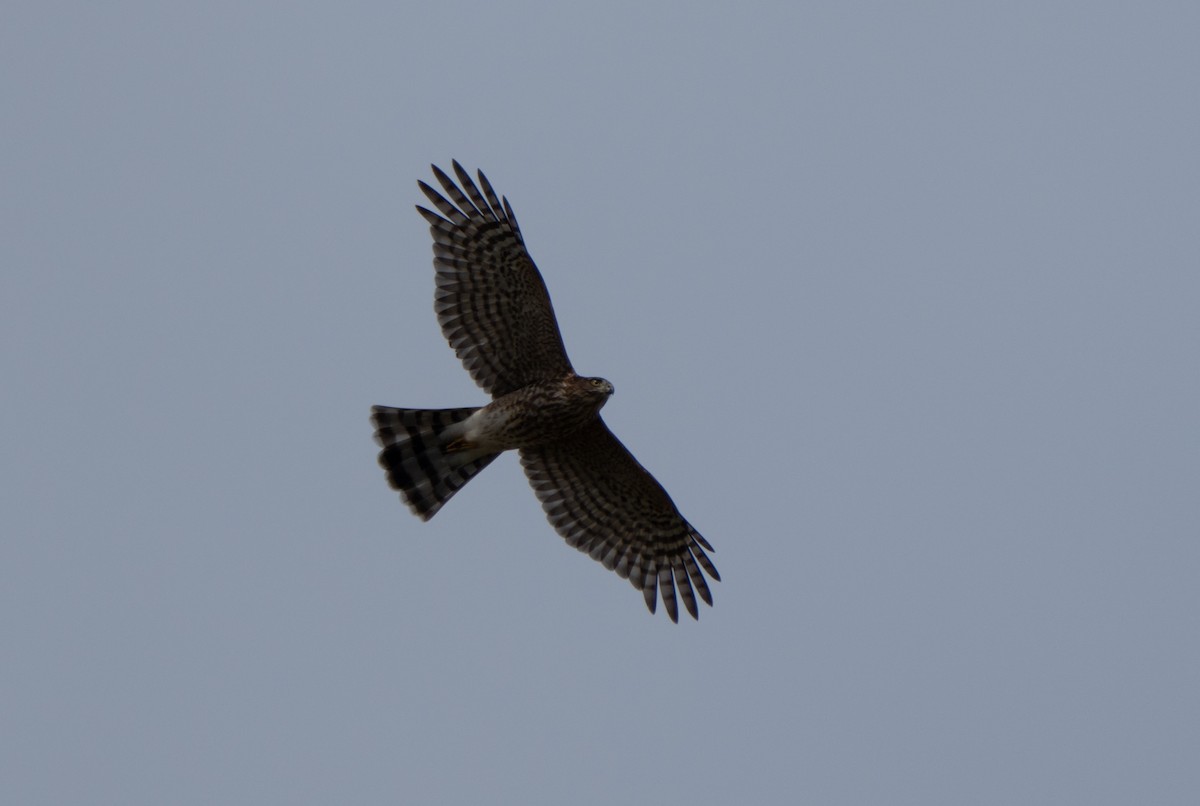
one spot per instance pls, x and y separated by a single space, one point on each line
902 305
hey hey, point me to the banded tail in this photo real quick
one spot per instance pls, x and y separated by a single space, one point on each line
416 458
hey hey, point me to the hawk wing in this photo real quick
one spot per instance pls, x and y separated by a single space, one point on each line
606 504
490 300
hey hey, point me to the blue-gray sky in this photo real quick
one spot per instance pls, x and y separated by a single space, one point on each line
900 302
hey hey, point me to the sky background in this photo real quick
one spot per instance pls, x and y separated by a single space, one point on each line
900 301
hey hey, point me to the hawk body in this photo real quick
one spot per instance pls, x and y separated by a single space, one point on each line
494 310
536 414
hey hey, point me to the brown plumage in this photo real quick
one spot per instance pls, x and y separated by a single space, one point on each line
494 310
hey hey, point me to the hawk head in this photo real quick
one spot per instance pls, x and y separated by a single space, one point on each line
594 390
601 387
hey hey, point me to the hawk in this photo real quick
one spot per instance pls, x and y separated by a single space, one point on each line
494 310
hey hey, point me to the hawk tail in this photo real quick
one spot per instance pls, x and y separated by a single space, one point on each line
415 455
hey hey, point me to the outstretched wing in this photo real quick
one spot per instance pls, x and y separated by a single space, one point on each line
490 300
606 504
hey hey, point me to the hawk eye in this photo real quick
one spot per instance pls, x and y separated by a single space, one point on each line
595 381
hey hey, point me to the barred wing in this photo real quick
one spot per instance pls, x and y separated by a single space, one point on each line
607 505
490 300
